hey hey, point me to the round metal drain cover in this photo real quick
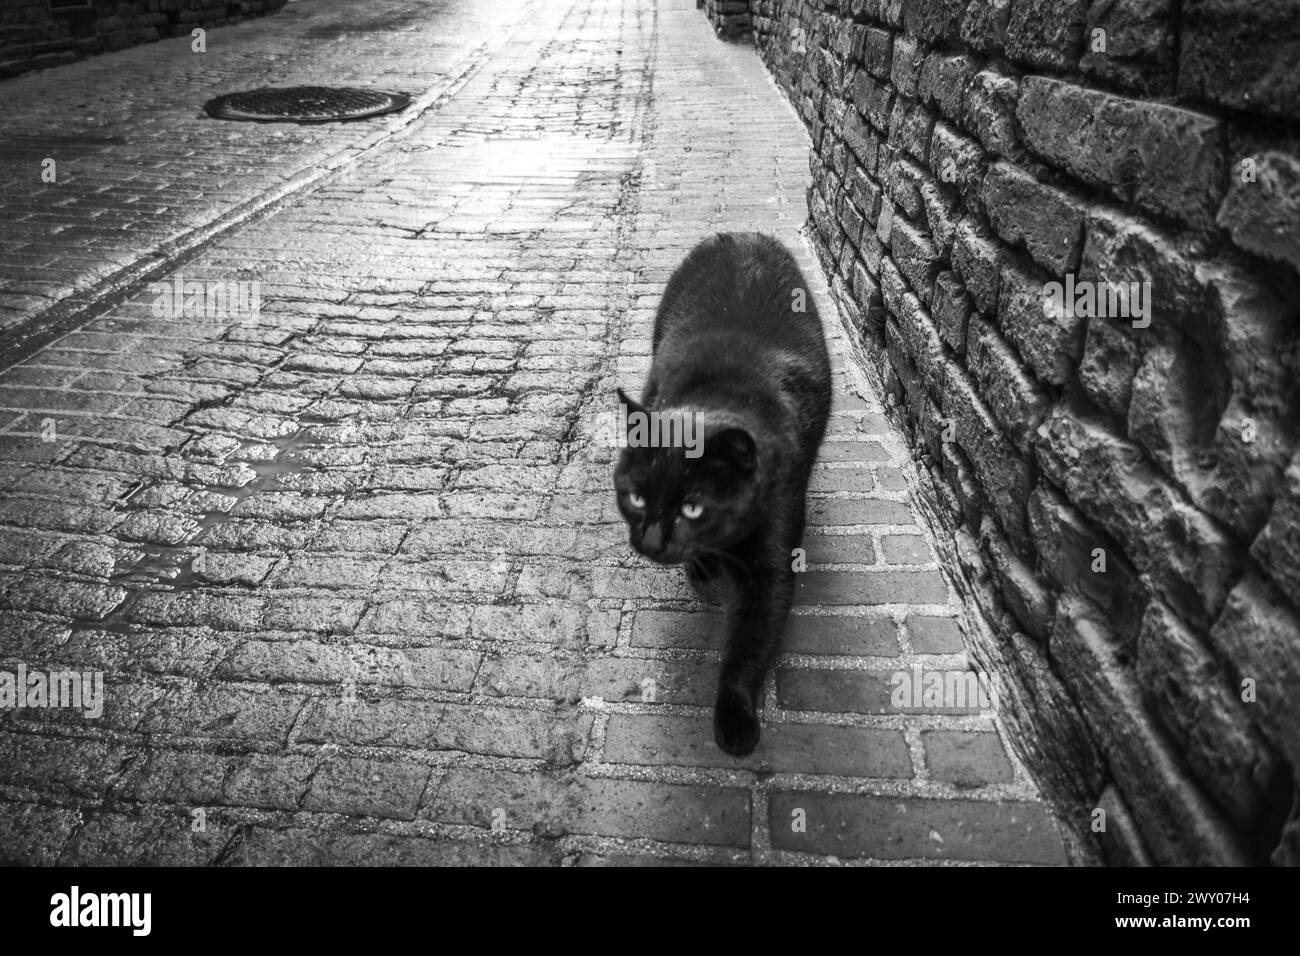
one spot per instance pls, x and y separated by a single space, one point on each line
305 104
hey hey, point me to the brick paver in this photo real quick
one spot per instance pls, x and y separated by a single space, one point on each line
353 571
142 176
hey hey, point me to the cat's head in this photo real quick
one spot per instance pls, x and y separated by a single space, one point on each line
687 481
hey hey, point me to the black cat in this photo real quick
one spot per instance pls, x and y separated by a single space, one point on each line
740 388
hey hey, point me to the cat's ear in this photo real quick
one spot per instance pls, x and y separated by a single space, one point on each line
736 447
631 405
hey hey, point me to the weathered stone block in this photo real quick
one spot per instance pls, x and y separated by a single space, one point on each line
944 81
873 99
1277 547
878 52
1013 396
1050 341
978 261
1130 43
940 216
1200 705
1110 361
1046 33
905 67
910 129
1002 473
1217 409
1048 220
1119 249
1023 595
866 292
1179 824
934 19
915 255
951 307
922 342
851 220
961 480
990 112
1188 559
1257 633
1262 208
903 181
957 161
1046 721
892 285
1164 158
984 25
1241 56
1083 560
866 193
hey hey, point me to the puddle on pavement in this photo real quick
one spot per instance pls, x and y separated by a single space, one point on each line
175 565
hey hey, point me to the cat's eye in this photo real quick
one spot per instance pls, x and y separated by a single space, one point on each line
691 511
635 500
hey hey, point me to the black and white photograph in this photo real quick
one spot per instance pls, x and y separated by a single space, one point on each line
857 434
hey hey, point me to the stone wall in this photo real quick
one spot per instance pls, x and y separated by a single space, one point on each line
35 34
1119 490
731 19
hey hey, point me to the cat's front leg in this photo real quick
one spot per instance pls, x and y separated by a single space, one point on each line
755 619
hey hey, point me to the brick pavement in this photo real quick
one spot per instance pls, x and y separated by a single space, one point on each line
354 572
142 176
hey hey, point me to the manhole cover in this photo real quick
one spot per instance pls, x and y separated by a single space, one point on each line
305 104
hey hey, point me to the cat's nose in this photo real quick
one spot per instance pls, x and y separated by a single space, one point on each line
652 539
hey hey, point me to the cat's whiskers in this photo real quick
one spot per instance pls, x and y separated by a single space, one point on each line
707 550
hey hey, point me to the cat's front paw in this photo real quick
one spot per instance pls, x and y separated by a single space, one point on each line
735 724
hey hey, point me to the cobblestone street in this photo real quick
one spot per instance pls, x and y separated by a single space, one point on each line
352 567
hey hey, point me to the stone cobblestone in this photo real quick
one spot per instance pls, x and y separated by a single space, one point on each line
352 569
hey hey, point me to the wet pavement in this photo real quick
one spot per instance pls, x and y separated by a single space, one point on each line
349 561
141 175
